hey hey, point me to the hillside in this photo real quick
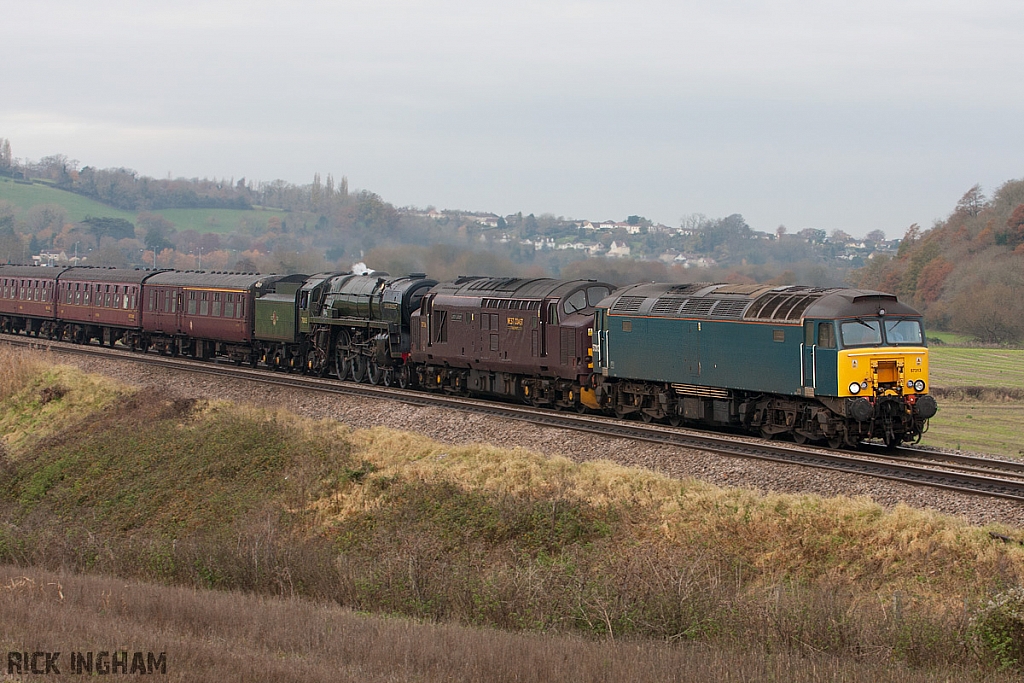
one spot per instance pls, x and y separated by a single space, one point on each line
966 274
218 495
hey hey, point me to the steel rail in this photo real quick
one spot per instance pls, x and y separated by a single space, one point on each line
967 474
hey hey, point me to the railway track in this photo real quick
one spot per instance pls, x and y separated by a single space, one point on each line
950 471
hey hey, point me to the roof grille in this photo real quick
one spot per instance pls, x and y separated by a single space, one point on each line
787 304
697 307
730 308
667 305
628 304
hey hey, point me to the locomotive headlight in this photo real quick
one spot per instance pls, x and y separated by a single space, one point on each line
919 385
854 388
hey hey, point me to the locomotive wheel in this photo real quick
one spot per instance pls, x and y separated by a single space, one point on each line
316 362
358 368
835 442
404 377
342 363
374 373
646 417
675 420
799 438
388 377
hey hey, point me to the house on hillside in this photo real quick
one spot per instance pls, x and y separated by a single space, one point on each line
619 249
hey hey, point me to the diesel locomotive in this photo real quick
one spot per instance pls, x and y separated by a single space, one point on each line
832 365
836 366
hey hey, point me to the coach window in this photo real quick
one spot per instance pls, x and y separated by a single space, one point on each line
191 303
216 304
827 335
241 306
229 306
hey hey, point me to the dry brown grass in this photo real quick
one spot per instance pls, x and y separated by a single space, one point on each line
214 495
230 637
16 368
842 540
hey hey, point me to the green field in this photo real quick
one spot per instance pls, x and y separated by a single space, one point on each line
218 220
25 196
935 337
953 367
991 424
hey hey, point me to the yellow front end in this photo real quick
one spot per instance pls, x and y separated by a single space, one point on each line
883 371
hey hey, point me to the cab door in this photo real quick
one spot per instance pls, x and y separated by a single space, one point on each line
808 351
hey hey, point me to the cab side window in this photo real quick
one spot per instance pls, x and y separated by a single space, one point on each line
827 335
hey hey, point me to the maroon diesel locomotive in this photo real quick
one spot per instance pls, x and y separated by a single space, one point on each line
526 339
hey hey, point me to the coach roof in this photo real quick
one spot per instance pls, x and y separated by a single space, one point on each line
87 274
203 280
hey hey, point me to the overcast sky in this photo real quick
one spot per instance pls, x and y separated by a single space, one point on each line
864 115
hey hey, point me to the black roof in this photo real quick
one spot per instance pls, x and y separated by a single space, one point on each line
784 304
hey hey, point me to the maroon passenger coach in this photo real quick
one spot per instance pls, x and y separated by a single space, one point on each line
27 299
204 314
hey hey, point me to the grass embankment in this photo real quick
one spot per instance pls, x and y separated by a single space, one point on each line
214 495
981 400
234 638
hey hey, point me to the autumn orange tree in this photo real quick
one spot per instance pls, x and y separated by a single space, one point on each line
966 274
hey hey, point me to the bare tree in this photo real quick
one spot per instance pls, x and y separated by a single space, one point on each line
972 202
